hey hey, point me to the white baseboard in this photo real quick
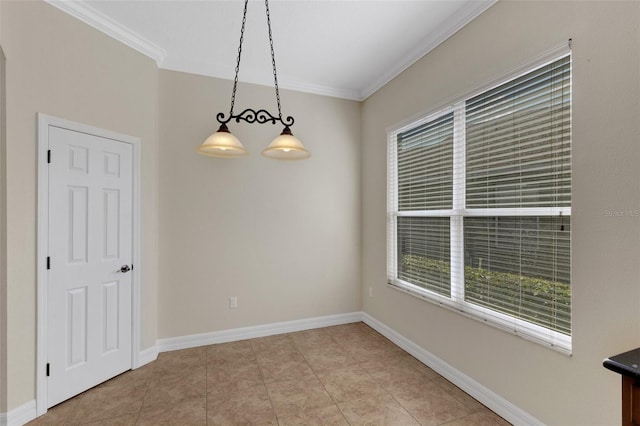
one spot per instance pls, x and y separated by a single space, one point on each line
195 340
19 415
495 402
146 356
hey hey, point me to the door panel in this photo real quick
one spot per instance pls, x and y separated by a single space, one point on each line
76 326
111 237
111 303
78 222
90 238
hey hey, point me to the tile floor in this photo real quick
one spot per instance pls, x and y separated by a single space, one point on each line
342 375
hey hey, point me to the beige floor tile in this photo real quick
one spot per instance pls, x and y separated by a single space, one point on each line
428 402
232 376
387 375
328 357
327 416
369 349
187 413
131 378
109 401
286 366
230 352
412 389
376 411
483 418
248 406
374 341
145 372
311 339
179 362
277 343
171 389
402 361
127 420
276 353
422 367
292 397
350 383
467 400
353 329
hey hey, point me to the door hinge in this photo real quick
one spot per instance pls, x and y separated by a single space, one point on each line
49 156
47 369
48 262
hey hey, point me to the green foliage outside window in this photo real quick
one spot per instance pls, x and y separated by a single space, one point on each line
539 301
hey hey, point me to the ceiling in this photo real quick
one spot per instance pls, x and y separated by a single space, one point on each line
342 48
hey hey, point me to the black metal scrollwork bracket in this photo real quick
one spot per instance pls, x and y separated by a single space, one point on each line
251 116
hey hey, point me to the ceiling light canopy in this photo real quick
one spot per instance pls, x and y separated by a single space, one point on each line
223 144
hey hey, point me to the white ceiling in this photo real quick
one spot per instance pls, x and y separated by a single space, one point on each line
348 49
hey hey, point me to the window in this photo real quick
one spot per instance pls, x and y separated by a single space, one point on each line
479 205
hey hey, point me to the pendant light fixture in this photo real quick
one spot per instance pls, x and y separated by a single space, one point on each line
223 144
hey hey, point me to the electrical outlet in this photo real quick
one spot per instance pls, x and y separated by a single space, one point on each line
370 291
233 302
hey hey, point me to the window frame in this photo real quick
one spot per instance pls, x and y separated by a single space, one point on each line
539 334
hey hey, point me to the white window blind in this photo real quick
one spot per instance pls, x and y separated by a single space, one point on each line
425 166
517 141
479 205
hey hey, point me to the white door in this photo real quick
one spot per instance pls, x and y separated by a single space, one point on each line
89 306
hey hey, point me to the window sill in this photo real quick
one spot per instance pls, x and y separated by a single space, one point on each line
528 331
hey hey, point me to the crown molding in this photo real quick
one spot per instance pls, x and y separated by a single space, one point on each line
253 77
316 89
438 37
92 17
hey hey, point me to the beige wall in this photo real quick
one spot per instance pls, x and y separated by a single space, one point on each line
3 230
60 66
284 237
554 388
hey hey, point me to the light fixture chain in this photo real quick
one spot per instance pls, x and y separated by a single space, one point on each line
250 115
235 81
273 59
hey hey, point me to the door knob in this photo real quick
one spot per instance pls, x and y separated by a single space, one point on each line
124 268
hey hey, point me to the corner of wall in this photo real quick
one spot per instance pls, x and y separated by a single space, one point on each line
3 240
361 205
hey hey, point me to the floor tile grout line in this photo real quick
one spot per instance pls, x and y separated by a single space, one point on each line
73 411
264 384
393 397
461 402
357 363
325 388
146 391
315 373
